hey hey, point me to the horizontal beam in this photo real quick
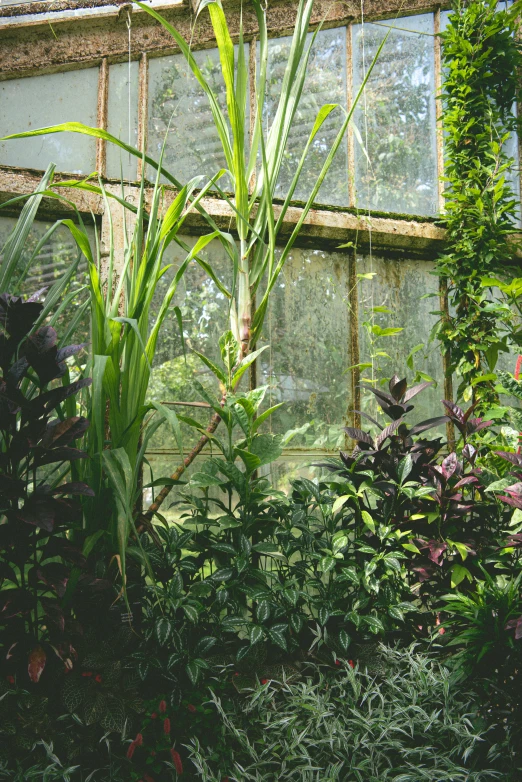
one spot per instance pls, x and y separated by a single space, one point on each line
390 236
34 46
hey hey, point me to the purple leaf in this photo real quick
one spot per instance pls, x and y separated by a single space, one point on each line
368 418
515 502
514 458
476 424
398 387
416 390
457 413
470 453
64 353
423 426
60 455
449 465
378 393
387 432
466 481
359 436
436 550
76 487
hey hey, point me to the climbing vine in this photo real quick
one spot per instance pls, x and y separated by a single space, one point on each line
482 60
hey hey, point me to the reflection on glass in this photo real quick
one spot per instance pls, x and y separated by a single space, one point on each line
204 310
397 172
325 83
179 110
52 261
392 299
39 101
308 329
118 161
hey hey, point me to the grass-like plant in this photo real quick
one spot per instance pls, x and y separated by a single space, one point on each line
412 724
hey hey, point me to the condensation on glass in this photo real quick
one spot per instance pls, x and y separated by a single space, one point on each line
120 80
307 327
325 83
39 101
179 111
400 295
395 138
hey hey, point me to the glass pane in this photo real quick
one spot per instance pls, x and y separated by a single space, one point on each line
325 83
393 299
39 101
308 329
289 467
396 118
179 109
50 264
118 119
204 309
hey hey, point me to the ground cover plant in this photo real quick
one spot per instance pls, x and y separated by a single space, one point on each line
363 625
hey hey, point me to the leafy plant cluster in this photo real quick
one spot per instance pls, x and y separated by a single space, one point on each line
482 57
407 725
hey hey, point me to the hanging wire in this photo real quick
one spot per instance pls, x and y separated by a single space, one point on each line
367 156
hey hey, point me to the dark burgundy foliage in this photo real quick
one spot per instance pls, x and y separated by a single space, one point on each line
36 556
402 465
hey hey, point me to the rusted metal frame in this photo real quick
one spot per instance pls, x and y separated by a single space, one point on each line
103 98
79 42
143 108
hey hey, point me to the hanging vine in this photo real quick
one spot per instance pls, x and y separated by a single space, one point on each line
482 60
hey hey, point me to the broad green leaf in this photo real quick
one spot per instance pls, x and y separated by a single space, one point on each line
367 519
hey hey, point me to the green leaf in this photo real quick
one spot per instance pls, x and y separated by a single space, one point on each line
323 615
224 574
375 624
458 574
405 468
327 563
256 634
344 639
368 521
230 350
278 635
296 623
192 669
267 448
263 610
190 612
205 644
340 543
238 374
396 613
213 367
162 630
339 502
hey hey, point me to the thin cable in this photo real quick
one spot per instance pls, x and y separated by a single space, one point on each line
365 110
